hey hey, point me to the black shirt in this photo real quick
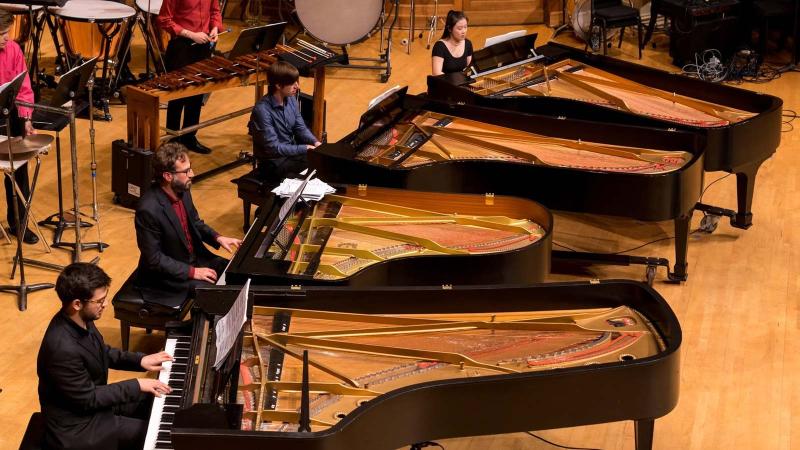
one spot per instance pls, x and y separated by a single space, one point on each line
451 63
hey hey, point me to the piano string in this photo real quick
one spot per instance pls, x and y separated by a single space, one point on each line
579 81
345 235
428 137
354 358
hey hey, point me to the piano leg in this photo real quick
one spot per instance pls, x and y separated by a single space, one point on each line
745 185
644 433
682 223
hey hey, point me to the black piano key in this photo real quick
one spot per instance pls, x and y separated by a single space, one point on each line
163 436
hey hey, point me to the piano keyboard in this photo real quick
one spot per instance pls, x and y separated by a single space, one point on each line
164 407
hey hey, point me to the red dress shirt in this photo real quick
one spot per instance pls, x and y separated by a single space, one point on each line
12 62
193 15
180 211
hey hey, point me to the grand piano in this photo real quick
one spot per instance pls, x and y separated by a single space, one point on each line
742 128
372 236
323 368
412 142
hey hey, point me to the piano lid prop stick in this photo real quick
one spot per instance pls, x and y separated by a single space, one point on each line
305 399
546 79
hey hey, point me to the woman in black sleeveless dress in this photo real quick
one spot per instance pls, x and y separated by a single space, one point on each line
453 52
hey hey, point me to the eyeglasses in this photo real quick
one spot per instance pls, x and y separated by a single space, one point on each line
184 171
99 302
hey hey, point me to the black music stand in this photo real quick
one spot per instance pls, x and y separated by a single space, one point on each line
8 95
255 39
70 88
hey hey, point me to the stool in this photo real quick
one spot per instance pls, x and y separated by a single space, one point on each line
252 189
34 434
132 311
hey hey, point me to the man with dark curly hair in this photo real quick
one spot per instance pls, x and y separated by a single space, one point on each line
82 410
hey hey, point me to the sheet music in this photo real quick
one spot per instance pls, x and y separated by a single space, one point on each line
289 204
229 326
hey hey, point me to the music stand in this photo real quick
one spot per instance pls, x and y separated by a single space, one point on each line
70 87
255 39
8 95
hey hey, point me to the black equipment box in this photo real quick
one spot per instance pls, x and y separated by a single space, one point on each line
131 172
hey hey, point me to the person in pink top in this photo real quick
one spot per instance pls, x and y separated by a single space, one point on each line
194 26
12 63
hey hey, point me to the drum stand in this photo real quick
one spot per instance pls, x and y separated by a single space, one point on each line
565 25
384 58
22 288
433 22
151 45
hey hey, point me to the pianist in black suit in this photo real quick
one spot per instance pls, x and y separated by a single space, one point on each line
81 409
171 236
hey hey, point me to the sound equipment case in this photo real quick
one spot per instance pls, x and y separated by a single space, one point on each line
131 173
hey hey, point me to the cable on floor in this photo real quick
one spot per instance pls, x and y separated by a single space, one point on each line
559 445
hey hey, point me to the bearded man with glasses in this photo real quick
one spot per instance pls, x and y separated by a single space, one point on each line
171 236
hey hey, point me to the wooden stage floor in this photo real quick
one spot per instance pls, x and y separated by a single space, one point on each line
740 308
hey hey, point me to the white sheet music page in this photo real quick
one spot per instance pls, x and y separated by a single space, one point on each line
229 326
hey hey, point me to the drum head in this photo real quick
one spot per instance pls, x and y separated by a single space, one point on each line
149 6
15 8
93 11
339 22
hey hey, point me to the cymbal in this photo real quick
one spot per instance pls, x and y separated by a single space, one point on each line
23 149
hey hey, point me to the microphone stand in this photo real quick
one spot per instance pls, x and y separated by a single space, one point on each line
79 246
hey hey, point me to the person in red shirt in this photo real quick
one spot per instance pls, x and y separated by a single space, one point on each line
194 26
12 63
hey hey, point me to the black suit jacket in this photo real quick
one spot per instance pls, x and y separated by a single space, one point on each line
74 394
163 272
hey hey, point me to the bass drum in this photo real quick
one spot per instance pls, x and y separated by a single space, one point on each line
339 22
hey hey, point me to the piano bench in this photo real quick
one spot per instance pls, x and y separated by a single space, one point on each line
132 311
252 188
34 434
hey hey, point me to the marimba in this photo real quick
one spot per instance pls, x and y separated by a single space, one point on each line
212 74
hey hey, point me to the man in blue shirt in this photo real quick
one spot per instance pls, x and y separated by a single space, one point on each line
280 137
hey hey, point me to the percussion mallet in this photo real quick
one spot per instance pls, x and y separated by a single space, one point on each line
218 34
309 45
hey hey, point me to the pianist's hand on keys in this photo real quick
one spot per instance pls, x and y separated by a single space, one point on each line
155 362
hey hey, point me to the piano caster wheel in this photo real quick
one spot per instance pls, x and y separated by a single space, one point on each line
709 223
650 275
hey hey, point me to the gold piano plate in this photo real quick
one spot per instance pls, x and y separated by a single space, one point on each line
355 357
